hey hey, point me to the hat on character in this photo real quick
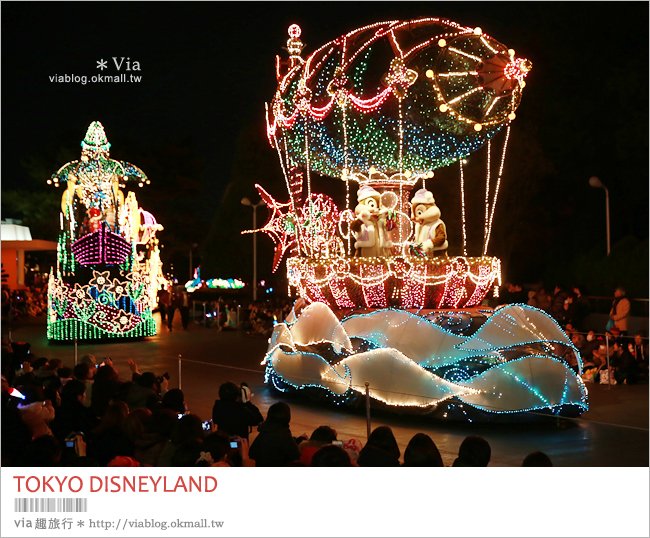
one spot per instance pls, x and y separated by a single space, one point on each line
366 191
423 196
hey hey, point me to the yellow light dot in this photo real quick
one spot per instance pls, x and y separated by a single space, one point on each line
522 84
372 170
140 184
49 182
478 127
512 116
407 173
429 73
429 174
442 43
443 108
511 52
478 30
148 182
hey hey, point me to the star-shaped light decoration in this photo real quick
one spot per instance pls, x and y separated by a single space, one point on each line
79 294
100 280
123 320
280 227
118 288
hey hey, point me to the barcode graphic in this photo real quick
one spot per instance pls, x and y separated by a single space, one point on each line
50 505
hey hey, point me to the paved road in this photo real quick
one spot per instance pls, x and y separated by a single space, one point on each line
614 432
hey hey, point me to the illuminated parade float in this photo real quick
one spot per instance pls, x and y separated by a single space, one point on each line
382 304
108 264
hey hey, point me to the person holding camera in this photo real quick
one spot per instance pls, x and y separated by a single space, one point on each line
234 413
35 410
147 389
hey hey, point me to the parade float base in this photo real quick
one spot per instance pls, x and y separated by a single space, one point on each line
449 364
400 281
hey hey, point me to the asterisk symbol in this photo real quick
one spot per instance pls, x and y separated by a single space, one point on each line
80 523
101 64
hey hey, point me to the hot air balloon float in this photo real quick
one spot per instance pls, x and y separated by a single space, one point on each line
383 307
108 263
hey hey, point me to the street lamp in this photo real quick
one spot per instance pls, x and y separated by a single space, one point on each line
598 184
191 266
246 201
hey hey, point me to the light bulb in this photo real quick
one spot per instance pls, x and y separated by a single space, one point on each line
429 73
443 108
442 43
478 30
478 127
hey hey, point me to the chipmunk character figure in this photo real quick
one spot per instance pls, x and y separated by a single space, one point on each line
430 231
370 227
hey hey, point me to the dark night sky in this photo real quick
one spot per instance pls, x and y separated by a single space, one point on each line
208 68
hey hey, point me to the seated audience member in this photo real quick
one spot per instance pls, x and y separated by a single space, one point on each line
84 373
73 416
323 435
474 451
188 427
174 400
422 452
640 352
537 459
146 391
106 388
587 352
90 360
624 363
274 446
35 410
231 415
157 433
65 375
28 375
331 456
188 453
48 374
109 440
44 451
217 452
381 450
15 434
216 445
123 461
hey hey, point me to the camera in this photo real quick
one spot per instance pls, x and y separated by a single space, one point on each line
207 426
71 439
180 415
161 377
337 443
234 442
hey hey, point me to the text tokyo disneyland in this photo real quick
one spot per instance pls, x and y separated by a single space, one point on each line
95 79
115 484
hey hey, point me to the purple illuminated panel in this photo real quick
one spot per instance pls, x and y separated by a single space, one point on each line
102 246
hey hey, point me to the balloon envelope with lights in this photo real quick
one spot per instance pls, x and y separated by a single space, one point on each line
383 107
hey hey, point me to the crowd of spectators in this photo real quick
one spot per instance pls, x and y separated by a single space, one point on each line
24 303
53 415
628 354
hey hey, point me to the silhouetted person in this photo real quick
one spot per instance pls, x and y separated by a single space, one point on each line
537 459
331 456
474 451
381 450
231 415
422 452
275 446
